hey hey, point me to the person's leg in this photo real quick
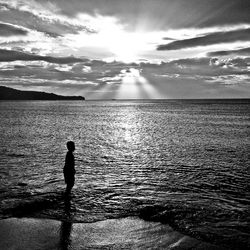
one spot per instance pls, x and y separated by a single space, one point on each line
68 189
70 184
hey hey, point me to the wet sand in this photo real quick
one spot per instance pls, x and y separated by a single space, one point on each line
125 233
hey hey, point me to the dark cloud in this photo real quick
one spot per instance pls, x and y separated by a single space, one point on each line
11 55
164 13
14 44
11 30
240 64
210 39
198 67
28 19
240 52
243 63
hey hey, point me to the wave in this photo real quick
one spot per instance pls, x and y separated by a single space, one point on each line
208 224
16 155
18 207
213 226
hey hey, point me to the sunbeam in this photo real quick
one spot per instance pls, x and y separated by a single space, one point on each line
136 86
149 90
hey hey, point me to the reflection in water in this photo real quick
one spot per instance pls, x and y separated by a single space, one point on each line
66 226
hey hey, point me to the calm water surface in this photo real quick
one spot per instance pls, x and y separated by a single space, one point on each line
184 163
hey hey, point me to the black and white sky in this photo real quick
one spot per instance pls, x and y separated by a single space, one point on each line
105 49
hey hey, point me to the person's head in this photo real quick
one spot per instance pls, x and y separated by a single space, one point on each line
71 146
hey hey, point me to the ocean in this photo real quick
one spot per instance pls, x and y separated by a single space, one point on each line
179 162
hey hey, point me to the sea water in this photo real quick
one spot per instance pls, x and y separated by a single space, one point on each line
179 162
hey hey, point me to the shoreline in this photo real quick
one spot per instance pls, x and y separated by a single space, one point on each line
124 233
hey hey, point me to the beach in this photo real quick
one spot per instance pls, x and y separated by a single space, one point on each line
126 233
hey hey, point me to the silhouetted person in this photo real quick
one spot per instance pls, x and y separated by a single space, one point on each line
69 167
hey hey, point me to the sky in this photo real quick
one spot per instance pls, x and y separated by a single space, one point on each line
127 49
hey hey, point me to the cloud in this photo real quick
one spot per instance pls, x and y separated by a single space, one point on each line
164 14
11 55
240 64
36 32
229 79
210 39
18 63
239 52
176 78
11 30
196 68
41 17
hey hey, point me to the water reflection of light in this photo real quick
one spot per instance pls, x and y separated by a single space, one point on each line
129 127
127 135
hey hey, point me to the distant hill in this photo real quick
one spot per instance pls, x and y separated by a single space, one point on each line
14 94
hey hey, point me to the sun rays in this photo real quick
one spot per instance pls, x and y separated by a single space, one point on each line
135 85
128 84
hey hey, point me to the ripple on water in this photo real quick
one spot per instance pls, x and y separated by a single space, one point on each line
183 164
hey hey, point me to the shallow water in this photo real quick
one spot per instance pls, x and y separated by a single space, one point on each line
185 163
116 234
